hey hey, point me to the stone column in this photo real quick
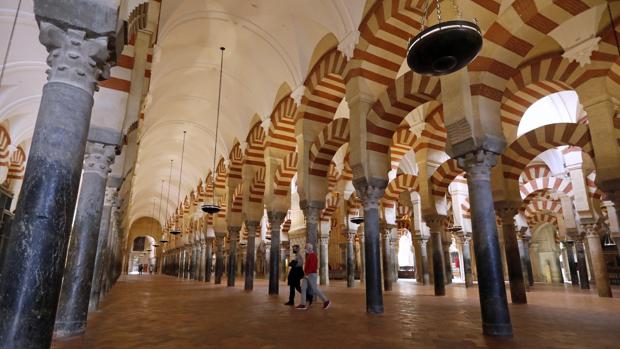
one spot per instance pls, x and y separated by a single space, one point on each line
570 256
416 246
598 266
446 260
324 260
31 270
102 240
250 254
394 240
203 260
232 255
208 258
582 267
465 239
386 235
350 258
436 224
371 193
78 275
527 260
219 257
312 213
492 292
426 277
360 232
507 212
275 219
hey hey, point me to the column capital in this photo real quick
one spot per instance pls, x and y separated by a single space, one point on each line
436 223
324 239
276 218
590 229
371 195
252 225
312 210
478 164
73 58
233 232
351 233
507 210
98 158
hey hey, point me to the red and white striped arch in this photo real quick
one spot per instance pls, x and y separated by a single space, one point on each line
17 164
257 189
404 95
220 178
285 173
282 128
235 158
5 141
237 199
528 146
402 142
332 177
443 176
555 184
333 136
535 170
256 141
398 185
332 201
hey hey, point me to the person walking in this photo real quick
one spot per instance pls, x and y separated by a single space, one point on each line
310 279
140 268
295 275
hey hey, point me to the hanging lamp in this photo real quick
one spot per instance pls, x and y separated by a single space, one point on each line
175 230
164 235
357 219
213 208
445 47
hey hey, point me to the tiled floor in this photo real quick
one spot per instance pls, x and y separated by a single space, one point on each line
164 312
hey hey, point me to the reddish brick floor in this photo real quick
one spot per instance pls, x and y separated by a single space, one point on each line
164 312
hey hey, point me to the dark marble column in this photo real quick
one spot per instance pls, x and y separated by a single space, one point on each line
492 292
219 257
507 212
528 260
426 277
275 220
598 266
102 242
324 259
371 193
437 225
202 260
78 275
572 267
114 239
209 259
233 233
196 261
312 213
250 254
350 258
32 265
386 235
469 277
360 232
446 260
582 267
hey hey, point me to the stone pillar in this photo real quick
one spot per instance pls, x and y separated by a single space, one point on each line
394 240
202 260
275 219
371 193
464 239
527 260
350 258
598 266
416 244
570 256
492 292
312 213
208 258
78 275
447 261
233 233
219 257
386 235
582 267
360 232
324 260
507 212
250 254
39 233
102 240
437 225
426 277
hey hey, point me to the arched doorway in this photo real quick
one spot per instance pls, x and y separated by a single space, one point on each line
142 254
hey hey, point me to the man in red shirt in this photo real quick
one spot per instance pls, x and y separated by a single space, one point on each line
310 279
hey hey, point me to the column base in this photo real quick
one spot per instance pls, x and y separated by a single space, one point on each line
63 330
497 330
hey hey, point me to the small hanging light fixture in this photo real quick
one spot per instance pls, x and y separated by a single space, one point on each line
175 230
357 219
445 47
213 208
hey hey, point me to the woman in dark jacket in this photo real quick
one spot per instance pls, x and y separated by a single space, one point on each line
295 275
